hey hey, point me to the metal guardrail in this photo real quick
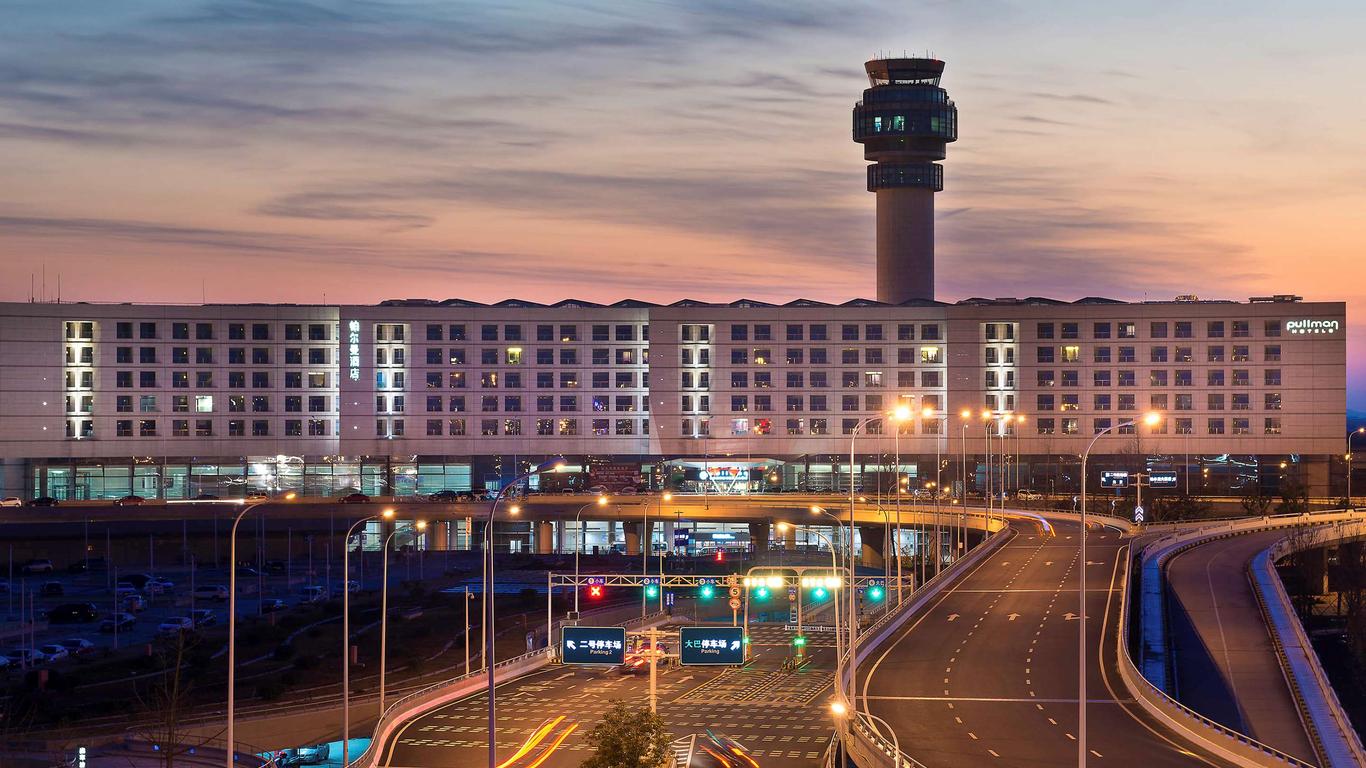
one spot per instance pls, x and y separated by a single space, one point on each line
1220 739
1335 739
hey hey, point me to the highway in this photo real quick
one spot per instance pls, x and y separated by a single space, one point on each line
1225 665
987 672
781 717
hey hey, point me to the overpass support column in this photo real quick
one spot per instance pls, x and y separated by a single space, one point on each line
545 537
439 537
758 537
790 538
477 528
873 537
633 533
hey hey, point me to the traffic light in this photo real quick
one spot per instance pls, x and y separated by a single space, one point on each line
799 641
720 555
707 592
761 593
595 591
652 590
819 593
874 593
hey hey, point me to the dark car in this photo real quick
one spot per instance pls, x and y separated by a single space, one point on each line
275 566
51 589
129 501
73 613
446 496
44 501
89 564
355 498
271 605
118 621
137 580
206 497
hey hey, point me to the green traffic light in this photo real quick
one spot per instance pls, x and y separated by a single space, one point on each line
875 593
761 593
708 592
799 641
819 593
651 591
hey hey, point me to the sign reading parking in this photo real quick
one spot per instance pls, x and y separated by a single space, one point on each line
593 645
711 645
1114 478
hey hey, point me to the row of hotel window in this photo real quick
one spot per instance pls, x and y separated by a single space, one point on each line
1214 353
85 428
516 356
460 427
819 379
1239 401
202 379
813 332
744 403
201 403
123 329
516 403
565 332
819 356
1043 426
1181 377
76 355
1157 329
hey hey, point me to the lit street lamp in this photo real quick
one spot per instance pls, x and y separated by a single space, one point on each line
834 600
601 502
387 514
232 626
1151 419
1348 456
420 525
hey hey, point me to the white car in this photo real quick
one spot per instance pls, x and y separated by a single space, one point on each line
210 592
11 501
20 656
54 652
1028 495
175 625
158 586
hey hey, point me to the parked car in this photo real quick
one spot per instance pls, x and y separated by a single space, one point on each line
131 500
175 625
313 755
51 589
44 501
4 662
628 490
73 613
598 490
203 617
118 621
276 566
24 657
273 605
53 652
11 501
206 497
158 586
79 646
137 580
246 570
88 564
123 589
312 594
133 603
1024 494
445 496
210 592
37 565
355 498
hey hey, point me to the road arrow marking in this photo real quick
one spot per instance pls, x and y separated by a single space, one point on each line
1013 616
1048 562
1094 562
1070 616
953 616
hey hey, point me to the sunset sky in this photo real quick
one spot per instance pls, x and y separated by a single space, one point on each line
243 150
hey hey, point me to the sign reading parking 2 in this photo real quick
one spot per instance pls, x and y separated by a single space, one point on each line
711 645
593 645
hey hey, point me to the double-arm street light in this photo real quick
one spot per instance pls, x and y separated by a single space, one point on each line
835 571
489 635
1151 419
420 525
387 514
601 501
232 626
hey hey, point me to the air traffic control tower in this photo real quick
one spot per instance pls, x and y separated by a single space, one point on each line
904 122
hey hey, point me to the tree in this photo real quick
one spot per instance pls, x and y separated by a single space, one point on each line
628 738
1256 503
165 703
1294 497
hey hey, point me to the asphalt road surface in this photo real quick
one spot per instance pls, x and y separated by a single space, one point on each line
987 674
780 716
1226 666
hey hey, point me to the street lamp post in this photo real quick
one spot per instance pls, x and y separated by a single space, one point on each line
834 600
489 636
963 478
420 525
601 502
1348 456
387 514
1150 419
231 745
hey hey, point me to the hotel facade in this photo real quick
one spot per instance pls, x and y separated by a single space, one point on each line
409 397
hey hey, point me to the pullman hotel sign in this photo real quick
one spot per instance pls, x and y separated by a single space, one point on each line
1303 327
353 348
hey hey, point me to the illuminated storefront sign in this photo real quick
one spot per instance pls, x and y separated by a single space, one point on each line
1300 327
353 348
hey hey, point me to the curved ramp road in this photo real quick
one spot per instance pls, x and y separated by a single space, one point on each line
987 674
1220 643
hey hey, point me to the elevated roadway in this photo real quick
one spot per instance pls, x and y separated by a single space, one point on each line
987 672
